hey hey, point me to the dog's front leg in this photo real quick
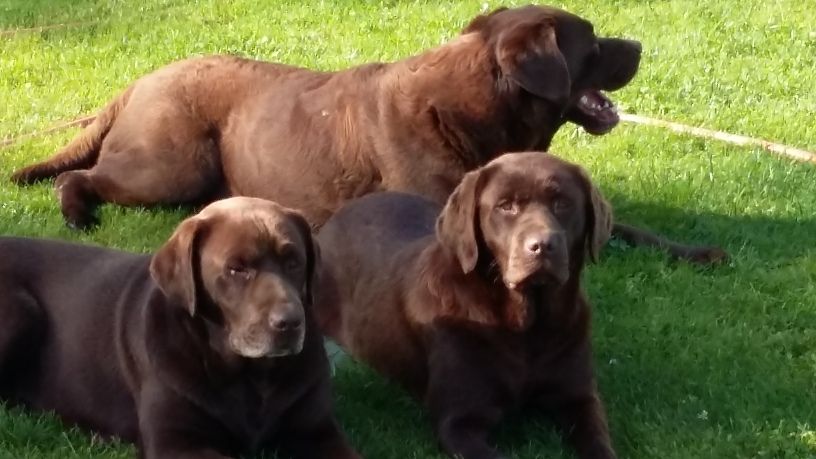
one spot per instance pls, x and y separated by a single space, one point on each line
172 428
157 444
464 435
310 429
566 389
325 441
464 399
165 444
584 427
186 454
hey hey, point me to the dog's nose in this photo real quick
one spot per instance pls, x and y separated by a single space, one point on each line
541 244
636 44
282 322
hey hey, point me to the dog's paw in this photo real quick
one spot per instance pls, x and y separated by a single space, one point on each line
24 176
83 223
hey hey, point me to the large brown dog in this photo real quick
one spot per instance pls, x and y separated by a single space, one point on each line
312 140
479 311
218 126
207 349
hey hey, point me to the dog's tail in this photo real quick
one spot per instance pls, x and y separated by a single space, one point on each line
82 152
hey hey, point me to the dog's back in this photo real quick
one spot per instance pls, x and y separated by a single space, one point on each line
28 260
57 309
376 226
365 246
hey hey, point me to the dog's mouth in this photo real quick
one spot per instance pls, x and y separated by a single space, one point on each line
541 277
288 343
593 111
256 346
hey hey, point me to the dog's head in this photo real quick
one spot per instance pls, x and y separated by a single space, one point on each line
530 215
247 265
556 57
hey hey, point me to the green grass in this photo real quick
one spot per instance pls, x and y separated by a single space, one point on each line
692 363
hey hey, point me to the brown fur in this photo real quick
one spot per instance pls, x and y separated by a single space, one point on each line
218 126
208 349
477 309
311 140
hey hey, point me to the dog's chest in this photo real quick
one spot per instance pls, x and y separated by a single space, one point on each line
254 411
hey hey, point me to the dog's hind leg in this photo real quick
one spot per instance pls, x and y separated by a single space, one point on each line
158 165
703 255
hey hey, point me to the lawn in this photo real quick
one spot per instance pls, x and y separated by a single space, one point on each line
692 363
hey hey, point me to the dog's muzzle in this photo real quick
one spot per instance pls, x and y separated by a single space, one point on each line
538 258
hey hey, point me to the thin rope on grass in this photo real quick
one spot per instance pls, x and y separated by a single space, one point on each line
8 33
44 28
740 140
81 122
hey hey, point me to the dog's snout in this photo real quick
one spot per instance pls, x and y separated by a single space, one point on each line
619 46
542 244
537 246
285 320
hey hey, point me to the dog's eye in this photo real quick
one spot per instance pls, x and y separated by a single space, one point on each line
561 205
240 272
291 264
288 257
508 207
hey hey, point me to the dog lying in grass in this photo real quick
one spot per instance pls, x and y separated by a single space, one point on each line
208 349
224 126
477 309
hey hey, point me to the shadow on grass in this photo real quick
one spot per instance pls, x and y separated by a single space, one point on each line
765 239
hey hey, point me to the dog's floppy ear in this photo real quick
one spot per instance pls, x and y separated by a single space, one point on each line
528 54
312 256
456 225
173 266
599 217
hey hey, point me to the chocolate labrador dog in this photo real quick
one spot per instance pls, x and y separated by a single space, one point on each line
208 349
208 127
217 126
478 309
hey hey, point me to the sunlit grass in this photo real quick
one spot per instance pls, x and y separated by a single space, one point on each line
692 363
